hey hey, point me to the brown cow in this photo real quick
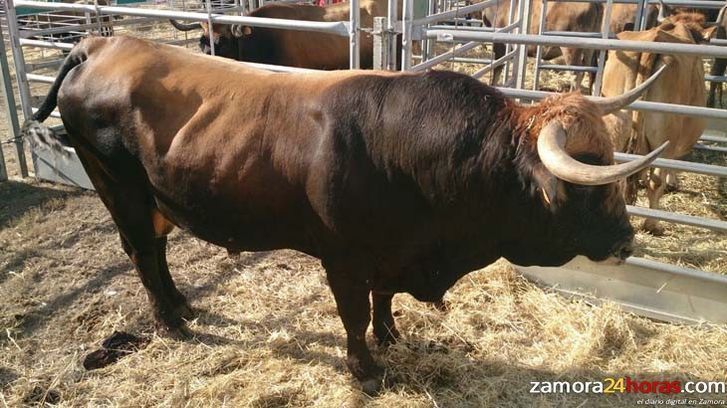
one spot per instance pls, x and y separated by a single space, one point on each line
398 182
291 47
681 83
716 29
623 17
578 17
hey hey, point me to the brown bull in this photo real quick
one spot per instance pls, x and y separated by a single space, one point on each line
397 182
576 17
293 48
682 83
68 18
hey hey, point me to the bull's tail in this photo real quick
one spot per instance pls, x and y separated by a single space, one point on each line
37 134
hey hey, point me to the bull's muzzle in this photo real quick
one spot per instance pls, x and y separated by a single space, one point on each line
619 253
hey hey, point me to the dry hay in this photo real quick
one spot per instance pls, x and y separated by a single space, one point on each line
268 333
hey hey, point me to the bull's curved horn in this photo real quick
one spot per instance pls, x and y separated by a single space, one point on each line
616 103
551 149
185 27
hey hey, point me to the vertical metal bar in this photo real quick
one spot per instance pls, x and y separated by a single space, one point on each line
539 49
522 65
210 27
605 29
391 19
20 76
10 112
19 59
427 45
354 35
510 17
638 20
406 34
381 48
3 171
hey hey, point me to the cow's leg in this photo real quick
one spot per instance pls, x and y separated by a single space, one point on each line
384 324
656 183
574 56
499 50
672 181
352 301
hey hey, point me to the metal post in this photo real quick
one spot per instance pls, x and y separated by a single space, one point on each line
210 27
639 19
508 47
391 19
354 35
539 49
19 59
427 46
10 111
406 34
522 65
605 31
381 47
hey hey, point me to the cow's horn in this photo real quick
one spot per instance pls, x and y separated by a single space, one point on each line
720 16
551 149
616 103
185 27
718 21
663 10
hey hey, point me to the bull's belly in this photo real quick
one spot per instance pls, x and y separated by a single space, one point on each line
240 225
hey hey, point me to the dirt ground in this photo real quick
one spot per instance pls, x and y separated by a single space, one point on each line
268 335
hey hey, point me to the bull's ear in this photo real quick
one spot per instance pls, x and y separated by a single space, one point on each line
546 184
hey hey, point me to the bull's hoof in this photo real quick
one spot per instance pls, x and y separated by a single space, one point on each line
185 311
371 386
653 228
387 336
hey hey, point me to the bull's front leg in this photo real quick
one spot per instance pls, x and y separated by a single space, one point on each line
352 300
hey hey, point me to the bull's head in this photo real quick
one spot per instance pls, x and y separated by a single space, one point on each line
576 178
226 38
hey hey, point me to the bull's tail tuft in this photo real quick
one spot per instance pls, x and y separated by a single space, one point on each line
37 134
40 136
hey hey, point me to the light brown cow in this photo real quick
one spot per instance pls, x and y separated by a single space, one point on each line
682 83
579 17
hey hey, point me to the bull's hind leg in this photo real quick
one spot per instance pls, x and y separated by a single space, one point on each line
126 196
384 324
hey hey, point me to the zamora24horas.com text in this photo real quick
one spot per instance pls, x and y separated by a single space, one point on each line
625 385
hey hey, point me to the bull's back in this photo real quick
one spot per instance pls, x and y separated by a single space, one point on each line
224 148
